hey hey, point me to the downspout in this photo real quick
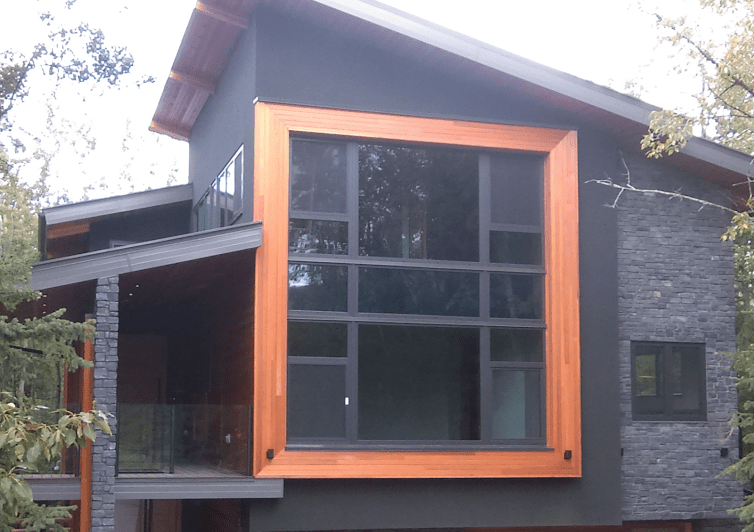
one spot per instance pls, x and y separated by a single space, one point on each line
87 400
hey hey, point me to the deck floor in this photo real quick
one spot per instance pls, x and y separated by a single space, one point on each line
185 471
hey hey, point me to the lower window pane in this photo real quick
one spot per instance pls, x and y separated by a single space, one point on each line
516 296
403 291
315 287
516 408
515 248
308 339
685 376
418 383
316 401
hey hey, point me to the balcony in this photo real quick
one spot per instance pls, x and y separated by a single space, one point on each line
186 441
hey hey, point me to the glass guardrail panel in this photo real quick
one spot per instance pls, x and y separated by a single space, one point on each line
193 440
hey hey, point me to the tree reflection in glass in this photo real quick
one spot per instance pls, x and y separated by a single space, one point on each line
418 203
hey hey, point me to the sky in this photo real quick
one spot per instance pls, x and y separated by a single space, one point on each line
101 136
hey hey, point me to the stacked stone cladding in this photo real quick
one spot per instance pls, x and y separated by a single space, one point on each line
675 282
105 386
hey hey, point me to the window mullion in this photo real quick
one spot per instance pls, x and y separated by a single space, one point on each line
485 372
352 368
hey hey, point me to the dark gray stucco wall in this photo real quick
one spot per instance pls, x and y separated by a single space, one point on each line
676 284
227 123
141 226
299 64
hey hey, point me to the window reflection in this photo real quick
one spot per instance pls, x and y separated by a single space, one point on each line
418 203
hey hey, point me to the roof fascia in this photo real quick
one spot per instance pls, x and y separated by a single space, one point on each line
145 255
117 204
495 58
236 488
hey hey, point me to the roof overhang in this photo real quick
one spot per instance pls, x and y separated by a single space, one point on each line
198 488
55 489
100 208
210 39
146 255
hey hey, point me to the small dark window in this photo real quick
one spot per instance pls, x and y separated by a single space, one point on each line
668 381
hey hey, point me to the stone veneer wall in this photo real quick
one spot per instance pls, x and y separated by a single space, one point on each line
675 280
105 387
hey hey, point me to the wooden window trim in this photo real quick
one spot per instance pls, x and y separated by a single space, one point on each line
274 123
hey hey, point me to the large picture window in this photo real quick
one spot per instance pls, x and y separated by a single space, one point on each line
416 295
435 275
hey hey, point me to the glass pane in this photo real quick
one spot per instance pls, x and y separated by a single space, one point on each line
315 287
318 176
307 339
237 204
516 296
316 401
402 291
418 383
516 184
216 208
516 345
515 248
315 236
201 214
516 412
646 375
686 377
230 191
418 203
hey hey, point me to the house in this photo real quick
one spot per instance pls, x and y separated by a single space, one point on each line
392 297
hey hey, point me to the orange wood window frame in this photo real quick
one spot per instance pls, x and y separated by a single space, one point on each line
274 124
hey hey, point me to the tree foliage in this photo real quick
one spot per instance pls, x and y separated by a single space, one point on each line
36 351
723 63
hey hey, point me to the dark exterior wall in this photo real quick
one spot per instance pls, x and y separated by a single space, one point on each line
676 284
301 65
142 226
226 123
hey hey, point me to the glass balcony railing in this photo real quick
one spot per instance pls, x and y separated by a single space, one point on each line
191 440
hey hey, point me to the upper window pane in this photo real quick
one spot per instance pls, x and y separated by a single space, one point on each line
315 236
318 176
418 203
516 189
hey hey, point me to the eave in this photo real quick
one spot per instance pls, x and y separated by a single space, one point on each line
136 257
216 25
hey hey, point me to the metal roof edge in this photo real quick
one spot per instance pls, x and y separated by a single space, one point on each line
55 489
117 204
145 255
488 55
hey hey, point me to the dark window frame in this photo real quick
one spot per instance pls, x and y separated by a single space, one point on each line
484 267
212 209
659 406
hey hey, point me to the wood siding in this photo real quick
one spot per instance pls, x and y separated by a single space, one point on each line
274 123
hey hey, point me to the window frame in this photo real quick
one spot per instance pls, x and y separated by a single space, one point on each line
662 397
204 210
561 457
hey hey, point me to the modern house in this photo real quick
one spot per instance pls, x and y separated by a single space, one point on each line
393 297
